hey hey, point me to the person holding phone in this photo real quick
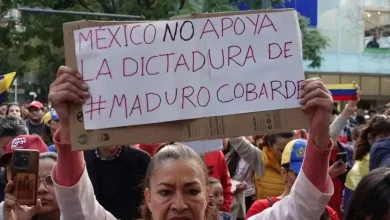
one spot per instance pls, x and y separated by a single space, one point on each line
48 210
26 142
377 128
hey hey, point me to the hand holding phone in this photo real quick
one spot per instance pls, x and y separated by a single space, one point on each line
342 156
13 211
24 169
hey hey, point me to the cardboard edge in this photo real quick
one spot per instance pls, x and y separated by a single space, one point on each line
228 13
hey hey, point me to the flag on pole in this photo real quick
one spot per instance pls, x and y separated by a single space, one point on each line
5 83
343 92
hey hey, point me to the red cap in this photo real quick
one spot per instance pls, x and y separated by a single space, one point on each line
25 142
36 104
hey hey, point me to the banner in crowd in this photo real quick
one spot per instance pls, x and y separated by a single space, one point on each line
204 76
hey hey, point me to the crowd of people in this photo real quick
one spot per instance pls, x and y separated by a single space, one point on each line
292 175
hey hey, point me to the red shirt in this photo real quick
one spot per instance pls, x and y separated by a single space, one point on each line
260 205
337 198
217 168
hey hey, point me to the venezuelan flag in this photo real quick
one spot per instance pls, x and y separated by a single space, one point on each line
5 83
343 92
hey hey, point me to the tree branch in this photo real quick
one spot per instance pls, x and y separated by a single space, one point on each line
84 5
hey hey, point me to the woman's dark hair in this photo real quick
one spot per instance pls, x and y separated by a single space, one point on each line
13 104
360 120
270 139
379 124
371 197
174 151
371 111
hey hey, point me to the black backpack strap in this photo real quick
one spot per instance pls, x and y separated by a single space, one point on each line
270 202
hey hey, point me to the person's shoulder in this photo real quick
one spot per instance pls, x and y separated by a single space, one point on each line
138 152
382 143
380 147
142 157
258 206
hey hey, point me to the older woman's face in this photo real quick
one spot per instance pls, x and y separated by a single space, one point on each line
177 190
46 188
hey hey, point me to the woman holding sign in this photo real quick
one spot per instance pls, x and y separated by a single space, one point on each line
176 181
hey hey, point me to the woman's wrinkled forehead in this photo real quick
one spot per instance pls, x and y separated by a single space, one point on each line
173 166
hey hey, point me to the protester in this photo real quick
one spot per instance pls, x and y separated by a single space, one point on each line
292 159
265 163
176 181
3 109
116 174
338 170
48 207
356 131
51 121
217 168
244 189
216 191
371 198
35 122
14 109
26 142
10 127
380 154
377 128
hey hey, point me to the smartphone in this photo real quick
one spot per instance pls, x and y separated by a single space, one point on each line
342 156
25 166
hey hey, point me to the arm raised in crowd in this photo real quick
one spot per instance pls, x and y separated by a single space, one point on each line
74 190
341 120
250 153
313 188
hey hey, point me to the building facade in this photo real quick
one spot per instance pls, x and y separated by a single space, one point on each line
359 44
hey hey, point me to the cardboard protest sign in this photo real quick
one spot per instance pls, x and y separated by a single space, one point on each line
218 70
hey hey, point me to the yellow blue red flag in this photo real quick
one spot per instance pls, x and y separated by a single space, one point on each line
5 83
343 92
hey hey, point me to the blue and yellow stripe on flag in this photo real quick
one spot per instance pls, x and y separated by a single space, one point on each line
5 83
343 92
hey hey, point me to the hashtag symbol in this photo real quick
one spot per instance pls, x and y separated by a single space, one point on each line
93 107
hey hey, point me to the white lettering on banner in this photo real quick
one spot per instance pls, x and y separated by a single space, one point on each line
173 70
17 142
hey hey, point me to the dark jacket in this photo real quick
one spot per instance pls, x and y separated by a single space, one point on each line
117 183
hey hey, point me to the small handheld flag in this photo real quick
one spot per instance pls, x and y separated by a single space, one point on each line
5 83
343 92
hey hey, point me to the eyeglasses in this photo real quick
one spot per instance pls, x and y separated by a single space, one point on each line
47 181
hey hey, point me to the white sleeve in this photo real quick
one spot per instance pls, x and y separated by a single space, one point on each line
79 202
305 202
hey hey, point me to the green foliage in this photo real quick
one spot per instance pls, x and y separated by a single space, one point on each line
39 49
